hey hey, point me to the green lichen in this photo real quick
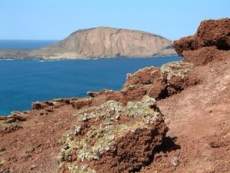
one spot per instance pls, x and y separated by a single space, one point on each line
177 68
110 109
141 109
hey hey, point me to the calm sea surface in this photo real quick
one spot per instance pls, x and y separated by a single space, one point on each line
24 44
26 81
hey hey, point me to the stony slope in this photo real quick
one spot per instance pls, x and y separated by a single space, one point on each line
198 117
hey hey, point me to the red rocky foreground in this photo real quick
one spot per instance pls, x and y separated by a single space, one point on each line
173 119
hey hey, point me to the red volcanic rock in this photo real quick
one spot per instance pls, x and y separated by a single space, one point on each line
105 95
214 33
38 106
211 37
155 82
78 104
204 55
158 83
143 76
148 80
185 43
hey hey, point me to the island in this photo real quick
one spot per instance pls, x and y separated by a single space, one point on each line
100 42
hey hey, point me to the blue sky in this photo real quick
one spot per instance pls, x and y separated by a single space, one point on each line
55 19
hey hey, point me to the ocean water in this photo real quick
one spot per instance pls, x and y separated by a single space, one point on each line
24 44
25 81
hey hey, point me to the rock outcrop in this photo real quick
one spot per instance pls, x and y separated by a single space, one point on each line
158 83
211 41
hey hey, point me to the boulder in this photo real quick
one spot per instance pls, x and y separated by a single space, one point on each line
113 137
158 83
177 76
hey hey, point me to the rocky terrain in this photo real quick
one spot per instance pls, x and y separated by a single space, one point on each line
101 42
173 119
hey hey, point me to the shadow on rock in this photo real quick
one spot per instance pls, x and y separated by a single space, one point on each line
168 145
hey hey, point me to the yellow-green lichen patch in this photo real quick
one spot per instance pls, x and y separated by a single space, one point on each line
68 147
178 69
110 109
79 168
142 109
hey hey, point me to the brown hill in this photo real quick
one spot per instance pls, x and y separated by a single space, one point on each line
107 42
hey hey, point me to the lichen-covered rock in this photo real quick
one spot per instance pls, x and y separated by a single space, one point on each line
157 82
177 77
113 133
211 38
176 69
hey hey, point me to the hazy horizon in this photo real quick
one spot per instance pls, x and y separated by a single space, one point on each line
52 20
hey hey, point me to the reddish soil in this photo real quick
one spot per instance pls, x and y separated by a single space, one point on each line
34 147
199 120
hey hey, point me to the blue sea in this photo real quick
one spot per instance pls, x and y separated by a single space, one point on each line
26 81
